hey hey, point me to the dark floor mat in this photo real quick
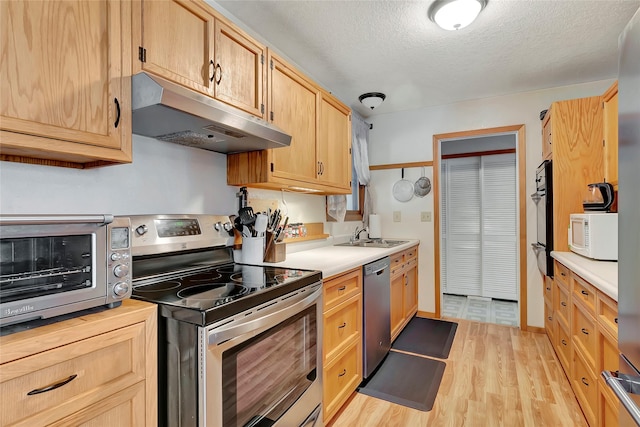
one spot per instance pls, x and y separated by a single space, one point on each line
407 380
429 337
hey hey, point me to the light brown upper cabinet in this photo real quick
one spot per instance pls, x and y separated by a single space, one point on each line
319 157
189 43
334 142
65 87
610 106
547 141
576 131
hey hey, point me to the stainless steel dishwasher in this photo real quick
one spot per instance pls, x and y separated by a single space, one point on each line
376 314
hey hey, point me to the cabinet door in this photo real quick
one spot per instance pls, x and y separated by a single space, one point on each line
334 144
610 103
410 292
293 103
397 301
178 40
62 68
239 71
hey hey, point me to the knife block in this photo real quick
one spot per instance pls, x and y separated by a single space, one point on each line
276 252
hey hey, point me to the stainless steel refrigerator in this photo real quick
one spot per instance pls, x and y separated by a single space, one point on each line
626 382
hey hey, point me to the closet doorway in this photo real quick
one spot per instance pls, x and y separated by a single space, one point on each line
480 239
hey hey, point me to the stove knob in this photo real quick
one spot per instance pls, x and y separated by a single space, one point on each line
116 256
228 226
121 270
121 289
217 226
142 230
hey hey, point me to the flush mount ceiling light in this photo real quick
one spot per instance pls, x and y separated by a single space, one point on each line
455 14
372 99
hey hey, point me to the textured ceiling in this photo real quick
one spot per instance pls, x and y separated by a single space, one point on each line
353 47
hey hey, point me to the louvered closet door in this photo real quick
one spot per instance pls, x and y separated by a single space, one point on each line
499 227
463 206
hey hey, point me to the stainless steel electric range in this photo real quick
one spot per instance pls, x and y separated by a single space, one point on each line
238 345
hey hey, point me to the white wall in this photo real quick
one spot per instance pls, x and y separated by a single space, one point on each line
407 137
163 178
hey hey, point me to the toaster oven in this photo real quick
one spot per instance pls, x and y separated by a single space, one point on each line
58 264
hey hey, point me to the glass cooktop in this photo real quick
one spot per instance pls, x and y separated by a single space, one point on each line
205 296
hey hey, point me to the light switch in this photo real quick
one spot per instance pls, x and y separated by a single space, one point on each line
397 217
425 216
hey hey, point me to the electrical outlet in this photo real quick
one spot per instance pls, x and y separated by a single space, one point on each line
425 216
397 217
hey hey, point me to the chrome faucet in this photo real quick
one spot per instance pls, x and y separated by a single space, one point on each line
356 234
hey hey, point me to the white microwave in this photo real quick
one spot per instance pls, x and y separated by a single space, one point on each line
594 235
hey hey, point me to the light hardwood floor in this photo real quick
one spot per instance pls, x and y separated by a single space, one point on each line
495 376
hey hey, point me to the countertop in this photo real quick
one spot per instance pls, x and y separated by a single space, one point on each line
601 274
332 260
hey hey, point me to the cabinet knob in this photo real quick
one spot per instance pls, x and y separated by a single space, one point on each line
585 293
564 342
342 374
585 382
584 331
343 325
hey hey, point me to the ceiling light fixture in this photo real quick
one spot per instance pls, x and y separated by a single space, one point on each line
455 14
372 99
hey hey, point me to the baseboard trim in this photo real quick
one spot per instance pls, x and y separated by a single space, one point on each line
426 314
535 330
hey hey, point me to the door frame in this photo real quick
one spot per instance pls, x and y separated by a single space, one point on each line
522 214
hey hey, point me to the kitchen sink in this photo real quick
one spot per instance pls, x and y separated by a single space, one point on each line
373 243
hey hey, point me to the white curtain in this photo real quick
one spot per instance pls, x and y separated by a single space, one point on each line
359 150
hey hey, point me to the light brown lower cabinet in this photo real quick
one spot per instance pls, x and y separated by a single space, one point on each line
404 289
584 338
342 339
96 369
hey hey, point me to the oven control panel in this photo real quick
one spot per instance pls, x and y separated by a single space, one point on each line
154 234
119 259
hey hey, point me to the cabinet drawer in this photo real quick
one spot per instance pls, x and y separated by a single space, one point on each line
342 326
95 368
562 304
410 254
563 347
585 387
548 290
341 288
340 379
607 313
584 333
397 263
608 406
608 354
585 293
549 324
561 274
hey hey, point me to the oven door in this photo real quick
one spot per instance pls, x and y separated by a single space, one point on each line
263 368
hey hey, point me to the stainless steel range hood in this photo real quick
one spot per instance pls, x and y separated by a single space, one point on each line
170 112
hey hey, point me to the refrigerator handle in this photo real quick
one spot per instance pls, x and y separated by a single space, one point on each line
631 384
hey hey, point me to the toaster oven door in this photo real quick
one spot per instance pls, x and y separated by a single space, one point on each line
46 266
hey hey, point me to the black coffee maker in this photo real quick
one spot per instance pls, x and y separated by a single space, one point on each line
599 197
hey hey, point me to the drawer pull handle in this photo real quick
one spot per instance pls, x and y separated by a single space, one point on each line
52 386
550 318
343 325
585 293
562 303
564 342
616 320
562 274
548 288
585 382
343 373
342 288
584 331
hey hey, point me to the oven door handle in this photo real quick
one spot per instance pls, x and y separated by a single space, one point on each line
226 332
622 386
